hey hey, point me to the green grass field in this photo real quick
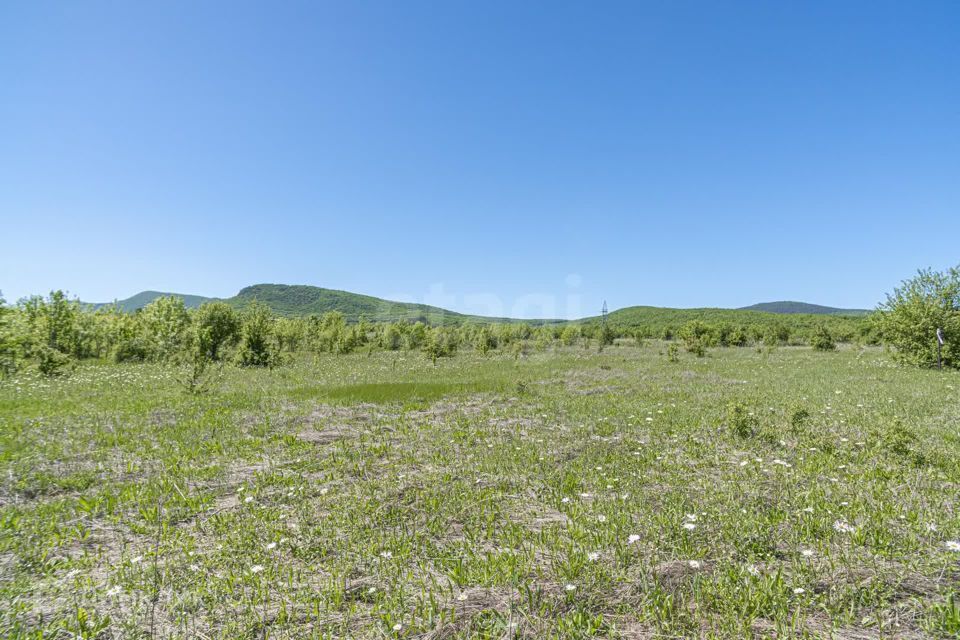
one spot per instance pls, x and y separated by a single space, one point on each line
568 494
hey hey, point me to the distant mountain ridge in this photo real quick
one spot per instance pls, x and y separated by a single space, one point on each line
302 300
790 306
142 299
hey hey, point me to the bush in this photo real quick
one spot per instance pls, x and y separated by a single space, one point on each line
164 324
740 420
799 417
218 326
822 340
258 346
909 319
696 337
52 362
673 352
9 352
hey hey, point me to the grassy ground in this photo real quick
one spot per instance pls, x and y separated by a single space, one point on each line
568 494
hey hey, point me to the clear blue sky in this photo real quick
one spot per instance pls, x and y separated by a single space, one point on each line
667 153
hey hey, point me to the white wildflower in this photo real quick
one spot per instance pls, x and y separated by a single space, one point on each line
257 568
841 526
570 587
633 538
694 564
799 590
689 526
953 545
593 556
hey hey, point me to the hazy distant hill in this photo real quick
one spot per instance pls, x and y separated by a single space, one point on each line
142 299
789 306
301 300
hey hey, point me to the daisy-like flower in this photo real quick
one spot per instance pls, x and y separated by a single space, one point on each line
953 545
248 499
257 568
932 527
570 587
593 556
565 500
841 526
799 590
633 538
753 570
397 627
807 553
694 564
386 554
372 590
601 518
689 526
692 517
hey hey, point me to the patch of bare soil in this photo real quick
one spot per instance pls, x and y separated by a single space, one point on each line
673 574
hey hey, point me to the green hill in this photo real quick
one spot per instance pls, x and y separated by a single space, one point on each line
142 299
656 319
301 300
789 306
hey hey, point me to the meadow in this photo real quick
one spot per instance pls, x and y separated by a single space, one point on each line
565 493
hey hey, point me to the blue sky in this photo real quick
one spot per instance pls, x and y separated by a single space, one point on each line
471 153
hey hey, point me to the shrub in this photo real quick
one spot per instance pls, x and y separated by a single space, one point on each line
740 420
570 335
218 326
673 352
799 417
9 352
485 341
696 336
822 340
909 319
52 362
258 346
164 324
196 361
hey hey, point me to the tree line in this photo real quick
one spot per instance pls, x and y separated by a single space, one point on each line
53 332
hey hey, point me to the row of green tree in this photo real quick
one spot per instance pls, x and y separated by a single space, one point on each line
54 331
